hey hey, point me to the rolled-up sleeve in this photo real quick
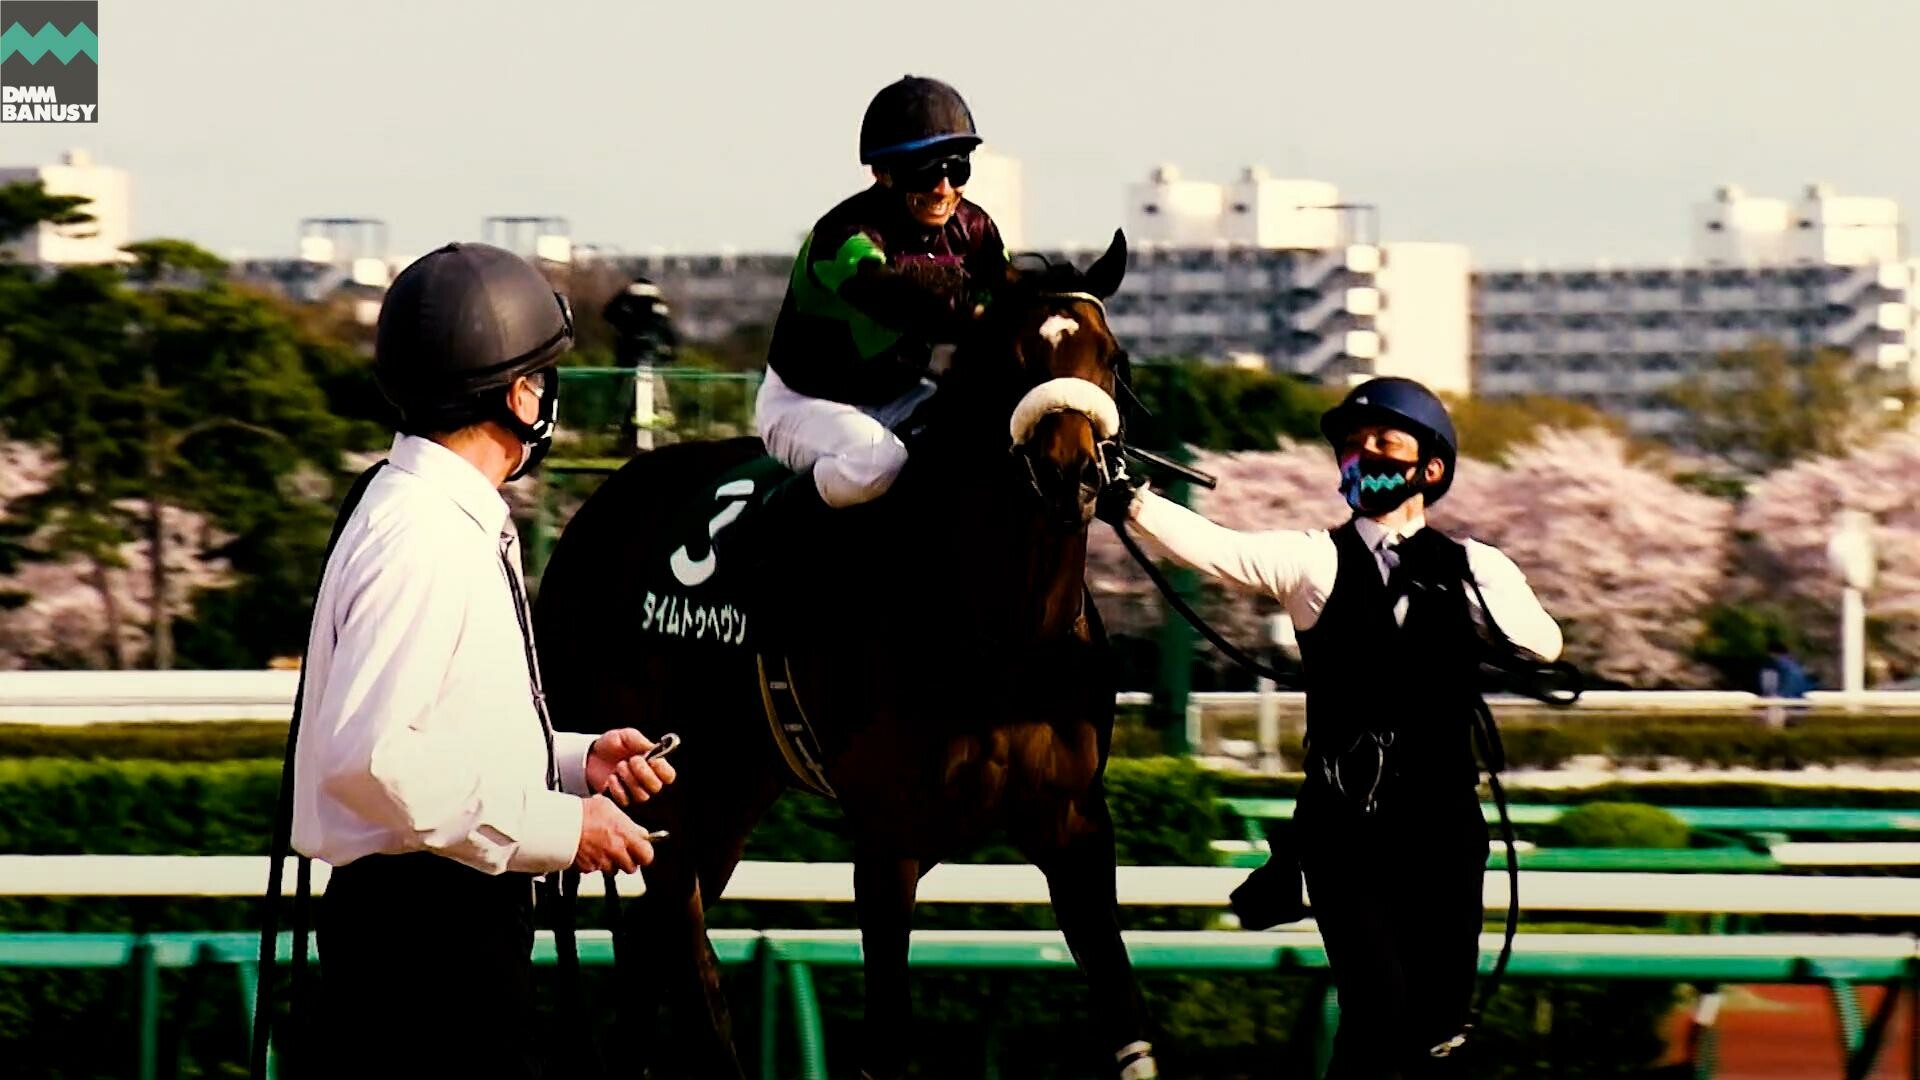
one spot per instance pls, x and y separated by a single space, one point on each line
1515 608
390 759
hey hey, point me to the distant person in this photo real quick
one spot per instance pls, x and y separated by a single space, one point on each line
644 336
642 323
1782 676
1389 828
426 770
880 280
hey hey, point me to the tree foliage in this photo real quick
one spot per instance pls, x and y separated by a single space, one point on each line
1766 407
1490 427
184 421
1221 407
27 205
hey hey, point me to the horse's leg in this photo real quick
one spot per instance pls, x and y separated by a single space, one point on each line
722 833
708 815
884 887
664 933
1079 865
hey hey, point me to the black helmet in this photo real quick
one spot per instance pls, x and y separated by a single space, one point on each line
461 321
915 114
1404 404
642 322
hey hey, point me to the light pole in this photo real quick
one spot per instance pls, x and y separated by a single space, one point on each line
1850 554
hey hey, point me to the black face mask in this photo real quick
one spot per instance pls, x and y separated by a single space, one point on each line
1376 484
536 438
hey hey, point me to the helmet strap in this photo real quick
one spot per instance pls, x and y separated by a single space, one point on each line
535 438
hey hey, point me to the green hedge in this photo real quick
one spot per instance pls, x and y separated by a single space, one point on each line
1622 825
1818 739
71 1024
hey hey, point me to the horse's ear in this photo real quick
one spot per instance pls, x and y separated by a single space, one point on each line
1104 276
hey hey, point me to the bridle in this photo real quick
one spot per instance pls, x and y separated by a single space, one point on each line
1106 444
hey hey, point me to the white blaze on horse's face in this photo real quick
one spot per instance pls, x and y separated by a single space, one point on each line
1056 328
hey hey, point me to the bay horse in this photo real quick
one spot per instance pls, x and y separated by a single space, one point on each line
940 640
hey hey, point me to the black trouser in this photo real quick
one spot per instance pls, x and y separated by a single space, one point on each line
426 969
1397 896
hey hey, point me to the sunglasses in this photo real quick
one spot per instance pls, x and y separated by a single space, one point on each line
924 176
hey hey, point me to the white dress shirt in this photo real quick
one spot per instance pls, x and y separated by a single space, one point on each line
1298 568
418 730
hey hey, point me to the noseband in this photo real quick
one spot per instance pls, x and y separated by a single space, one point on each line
1072 395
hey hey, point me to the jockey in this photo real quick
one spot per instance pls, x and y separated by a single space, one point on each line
882 278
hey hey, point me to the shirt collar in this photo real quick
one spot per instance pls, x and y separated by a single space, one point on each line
1376 534
453 476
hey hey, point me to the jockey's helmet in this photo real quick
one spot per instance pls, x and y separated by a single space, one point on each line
916 117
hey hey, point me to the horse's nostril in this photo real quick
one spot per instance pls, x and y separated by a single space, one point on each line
1090 474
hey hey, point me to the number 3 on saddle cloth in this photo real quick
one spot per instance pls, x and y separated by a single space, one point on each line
699 598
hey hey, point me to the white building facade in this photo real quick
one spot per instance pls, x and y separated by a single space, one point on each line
1280 273
1819 272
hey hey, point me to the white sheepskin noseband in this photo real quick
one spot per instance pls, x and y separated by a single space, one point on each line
1065 395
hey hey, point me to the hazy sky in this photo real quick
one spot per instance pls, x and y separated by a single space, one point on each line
1551 130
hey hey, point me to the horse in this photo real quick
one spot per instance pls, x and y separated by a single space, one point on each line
939 642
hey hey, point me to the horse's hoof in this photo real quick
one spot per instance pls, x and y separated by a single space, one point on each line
1136 1062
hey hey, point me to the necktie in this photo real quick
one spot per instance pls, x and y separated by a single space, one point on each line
1396 576
533 664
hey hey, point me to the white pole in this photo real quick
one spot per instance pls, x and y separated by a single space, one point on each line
1269 727
643 414
1853 645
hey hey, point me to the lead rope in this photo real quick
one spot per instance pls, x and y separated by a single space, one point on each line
557 890
1493 754
281 843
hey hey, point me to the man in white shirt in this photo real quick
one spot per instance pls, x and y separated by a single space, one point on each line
426 771
1391 618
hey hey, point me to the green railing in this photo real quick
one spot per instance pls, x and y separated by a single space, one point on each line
1751 821
786 962
606 414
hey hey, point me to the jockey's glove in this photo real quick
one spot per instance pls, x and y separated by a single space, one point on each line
923 299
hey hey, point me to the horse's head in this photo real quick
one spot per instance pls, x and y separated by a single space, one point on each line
1046 351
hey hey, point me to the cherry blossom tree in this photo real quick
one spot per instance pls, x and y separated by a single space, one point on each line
1788 519
56 612
1626 559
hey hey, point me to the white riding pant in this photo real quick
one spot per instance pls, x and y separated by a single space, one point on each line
854 457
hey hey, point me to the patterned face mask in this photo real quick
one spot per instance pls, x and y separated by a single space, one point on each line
1376 484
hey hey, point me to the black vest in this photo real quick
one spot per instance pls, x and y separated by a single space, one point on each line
1413 682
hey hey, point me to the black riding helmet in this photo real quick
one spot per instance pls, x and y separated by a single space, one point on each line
458 325
1407 405
915 115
